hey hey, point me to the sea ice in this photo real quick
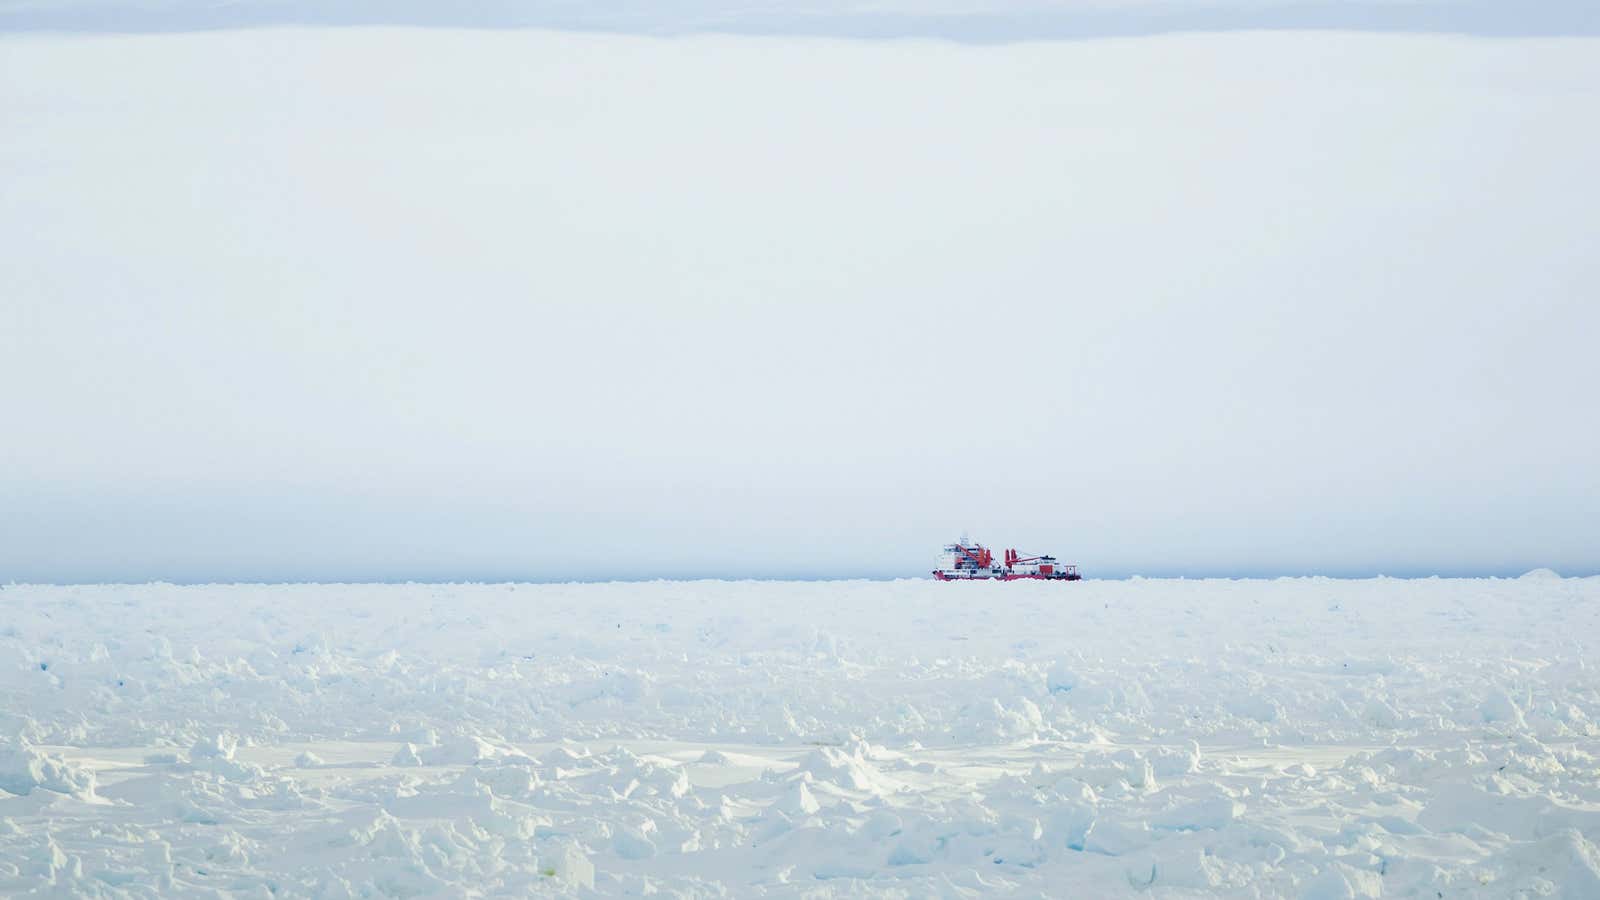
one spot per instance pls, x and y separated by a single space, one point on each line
1094 739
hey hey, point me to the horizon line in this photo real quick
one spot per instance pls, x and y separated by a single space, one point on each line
787 579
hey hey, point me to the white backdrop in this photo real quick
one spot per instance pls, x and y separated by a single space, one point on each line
394 303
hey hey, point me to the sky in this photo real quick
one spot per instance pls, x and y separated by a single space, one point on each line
436 304
959 20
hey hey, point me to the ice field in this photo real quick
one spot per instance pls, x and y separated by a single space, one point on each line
1163 738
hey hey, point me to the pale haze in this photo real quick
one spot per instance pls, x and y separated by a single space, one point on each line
959 20
397 304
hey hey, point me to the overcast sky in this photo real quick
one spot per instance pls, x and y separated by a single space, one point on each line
961 20
363 304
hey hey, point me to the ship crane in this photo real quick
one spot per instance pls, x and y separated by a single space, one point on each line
979 556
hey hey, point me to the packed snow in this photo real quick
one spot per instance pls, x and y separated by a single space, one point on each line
1297 737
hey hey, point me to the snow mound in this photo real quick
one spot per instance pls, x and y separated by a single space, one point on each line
1540 574
1500 708
462 750
24 769
221 746
1190 815
573 867
797 801
847 769
1565 865
1342 882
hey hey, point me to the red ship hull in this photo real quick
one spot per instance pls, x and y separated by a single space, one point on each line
1072 577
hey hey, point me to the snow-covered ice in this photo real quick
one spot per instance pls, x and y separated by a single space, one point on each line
1297 737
